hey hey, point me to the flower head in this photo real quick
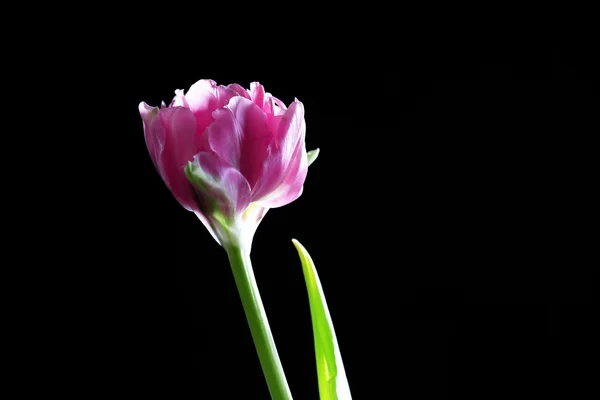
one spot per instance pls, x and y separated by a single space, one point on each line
228 154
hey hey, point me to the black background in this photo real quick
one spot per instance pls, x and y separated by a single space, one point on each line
444 213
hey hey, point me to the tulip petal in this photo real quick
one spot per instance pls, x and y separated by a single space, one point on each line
240 136
224 185
274 108
180 141
268 106
257 92
291 129
286 165
170 141
239 90
204 97
173 129
290 186
273 123
279 107
179 100
148 114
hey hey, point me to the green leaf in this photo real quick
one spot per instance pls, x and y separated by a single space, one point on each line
333 384
312 156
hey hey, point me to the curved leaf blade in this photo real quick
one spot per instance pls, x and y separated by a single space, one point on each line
333 384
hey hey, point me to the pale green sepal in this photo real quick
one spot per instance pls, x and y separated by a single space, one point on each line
199 178
208 185
312 156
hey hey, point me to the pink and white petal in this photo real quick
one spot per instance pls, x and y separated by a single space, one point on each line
201 96
237 188
222 183
273 106
283 196
180 141
223 95
240 136
289 185
279 107
179 100
204 97
286 164
291 129
273 171
273 113
273 124
202 140
268 106
239 90
147 112
154 134
257 92
179 127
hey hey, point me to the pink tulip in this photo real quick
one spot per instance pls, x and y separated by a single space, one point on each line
228 154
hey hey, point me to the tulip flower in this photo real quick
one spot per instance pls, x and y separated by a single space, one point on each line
229 155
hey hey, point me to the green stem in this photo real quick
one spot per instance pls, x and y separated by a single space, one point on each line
259 326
